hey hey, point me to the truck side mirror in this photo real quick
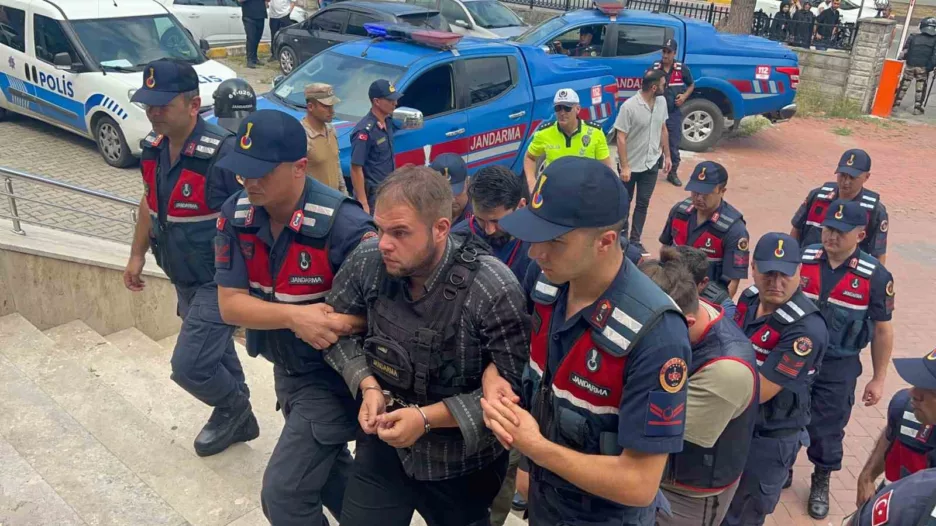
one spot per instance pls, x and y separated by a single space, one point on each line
277 79
204 45
407 118
62 61
461 23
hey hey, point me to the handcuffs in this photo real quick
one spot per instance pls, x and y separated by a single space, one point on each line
390 400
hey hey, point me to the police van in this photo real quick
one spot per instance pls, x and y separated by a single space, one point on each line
76 63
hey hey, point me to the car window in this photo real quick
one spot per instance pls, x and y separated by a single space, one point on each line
491 14
133 42
331 20
428 4
432 93
577 42
487 78
50 39
12 28
452 11
536 34
431 20
357 21
639 40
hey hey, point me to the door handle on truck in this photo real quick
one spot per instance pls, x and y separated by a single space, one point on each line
517 115
453 133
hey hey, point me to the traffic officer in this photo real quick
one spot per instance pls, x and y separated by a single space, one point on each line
907 444
280 241
856 296
495 192
790 338
707 222
721 405
372 143
234 100
920 54
183 191
455 171
909 502
679 87
439 309
567 135
606 378
854 170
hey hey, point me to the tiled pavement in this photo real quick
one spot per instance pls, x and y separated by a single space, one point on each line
771 173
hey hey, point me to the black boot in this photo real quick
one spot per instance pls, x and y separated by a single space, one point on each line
227 425
819 494
789 480
672 178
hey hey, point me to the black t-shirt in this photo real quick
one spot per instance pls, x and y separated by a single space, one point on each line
254 9
827 20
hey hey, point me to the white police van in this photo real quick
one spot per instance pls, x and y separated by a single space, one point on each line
76 63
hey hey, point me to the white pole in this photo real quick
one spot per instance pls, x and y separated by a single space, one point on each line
906 27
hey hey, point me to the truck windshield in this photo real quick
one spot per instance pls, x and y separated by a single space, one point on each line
349 76
131 43
541 32
491 14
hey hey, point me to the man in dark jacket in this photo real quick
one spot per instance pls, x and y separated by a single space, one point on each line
803 21
254 14
826 24
780 28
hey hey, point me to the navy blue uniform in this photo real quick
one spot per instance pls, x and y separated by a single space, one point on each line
912 444
788 354
650 394
310 464
183 208
372 149
513 253
723 237
678 80
810 215
908 502
852 298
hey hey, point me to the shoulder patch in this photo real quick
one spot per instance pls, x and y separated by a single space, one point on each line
880 512
743 244
545 124
890 288
803 346
685 206
666 414
544 292
153 140
884 225
593 124
319 211
673 375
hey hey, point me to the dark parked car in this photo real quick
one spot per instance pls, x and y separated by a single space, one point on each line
344 21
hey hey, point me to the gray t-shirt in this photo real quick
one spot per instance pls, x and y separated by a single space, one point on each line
644 128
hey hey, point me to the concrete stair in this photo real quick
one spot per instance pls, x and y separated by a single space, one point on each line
93 431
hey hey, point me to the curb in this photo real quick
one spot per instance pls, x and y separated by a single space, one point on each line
235 51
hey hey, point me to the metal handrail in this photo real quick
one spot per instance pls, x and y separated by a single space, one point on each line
8 174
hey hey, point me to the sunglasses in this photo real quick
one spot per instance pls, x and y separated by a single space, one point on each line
562 109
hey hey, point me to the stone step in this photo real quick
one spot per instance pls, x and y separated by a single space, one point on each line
25 498
97 485
242 462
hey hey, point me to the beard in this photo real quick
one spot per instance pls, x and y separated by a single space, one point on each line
420 265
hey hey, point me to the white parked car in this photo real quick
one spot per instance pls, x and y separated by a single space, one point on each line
848 8
76 63
219 21
477 18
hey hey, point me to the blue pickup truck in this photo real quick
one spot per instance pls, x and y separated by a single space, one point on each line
481 99
735 75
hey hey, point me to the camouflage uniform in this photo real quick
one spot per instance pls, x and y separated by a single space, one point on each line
919 74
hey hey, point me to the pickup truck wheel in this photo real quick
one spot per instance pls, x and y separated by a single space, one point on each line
287 59
702 125
111 143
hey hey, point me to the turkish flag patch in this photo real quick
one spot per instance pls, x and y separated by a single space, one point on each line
362 136
881 510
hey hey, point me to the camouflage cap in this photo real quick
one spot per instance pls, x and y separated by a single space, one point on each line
322 93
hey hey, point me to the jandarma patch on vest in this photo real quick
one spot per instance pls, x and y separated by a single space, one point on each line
673 375
743 244
802 346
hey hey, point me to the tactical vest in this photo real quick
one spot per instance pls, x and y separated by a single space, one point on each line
819 206
719 466
921 50
675 83
411 346
789 409
910 451
846 308
714 294
711 240
182 235
304 276
577 405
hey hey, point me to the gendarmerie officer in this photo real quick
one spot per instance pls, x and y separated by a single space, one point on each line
909 502
721 406
790 338
920 54
707 222
856 296
279 244
372 143
679 87
854 170
439 309
183 193
906 445
606 378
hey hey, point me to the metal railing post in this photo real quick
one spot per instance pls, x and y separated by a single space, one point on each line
8 185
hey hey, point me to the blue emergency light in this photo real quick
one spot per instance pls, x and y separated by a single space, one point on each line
407 33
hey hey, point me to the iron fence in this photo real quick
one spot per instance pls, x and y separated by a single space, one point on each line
709 12
805 32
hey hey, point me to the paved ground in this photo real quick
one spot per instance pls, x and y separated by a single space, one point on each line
771 172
